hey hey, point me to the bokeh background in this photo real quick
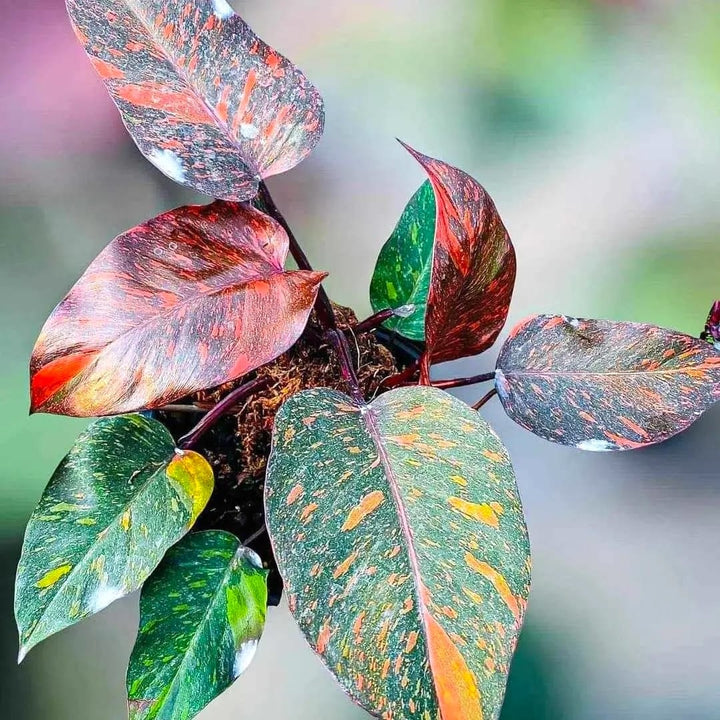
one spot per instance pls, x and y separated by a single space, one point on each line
595 124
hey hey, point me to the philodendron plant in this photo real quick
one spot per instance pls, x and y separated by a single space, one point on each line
248 425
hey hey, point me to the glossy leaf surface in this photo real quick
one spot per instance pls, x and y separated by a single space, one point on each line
399 532
602 385
205 100
201 617
121 497
404 266
189 300
451 256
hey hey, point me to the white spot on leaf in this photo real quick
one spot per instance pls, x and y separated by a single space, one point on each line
597 445
244 656
167 162
104 595
222 9
501 383
248 131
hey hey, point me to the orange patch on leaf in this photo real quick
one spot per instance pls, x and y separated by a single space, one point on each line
295 494
371 502
51 378
345 565
499 583
455 685
482 512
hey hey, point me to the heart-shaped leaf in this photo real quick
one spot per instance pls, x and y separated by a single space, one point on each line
201 617
452 258
206 101
187 301
121 497
602 385
399 533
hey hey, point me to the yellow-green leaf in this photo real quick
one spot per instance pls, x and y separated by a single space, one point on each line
121 497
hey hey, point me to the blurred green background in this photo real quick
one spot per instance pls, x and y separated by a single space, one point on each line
595 125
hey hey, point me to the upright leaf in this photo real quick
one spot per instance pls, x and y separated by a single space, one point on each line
452 258
711 333
206 101
399 532
121 497
602 385
201 617
189 300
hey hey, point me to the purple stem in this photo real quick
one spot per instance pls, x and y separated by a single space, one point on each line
189 441
463 382
485 399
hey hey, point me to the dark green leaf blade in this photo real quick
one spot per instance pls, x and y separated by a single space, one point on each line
602 385
404 266
121 497
201 617
400 535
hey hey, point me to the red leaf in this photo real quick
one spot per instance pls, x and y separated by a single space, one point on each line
474 267
207 102
602 385
194 298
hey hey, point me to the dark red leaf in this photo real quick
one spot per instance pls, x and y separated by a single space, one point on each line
194 298
602 385
207 102
712 326
473 270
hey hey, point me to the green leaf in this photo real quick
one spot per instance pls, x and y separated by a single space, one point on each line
400 535
121 497
404 266
201 616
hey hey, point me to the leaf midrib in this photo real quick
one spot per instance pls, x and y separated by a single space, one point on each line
371 425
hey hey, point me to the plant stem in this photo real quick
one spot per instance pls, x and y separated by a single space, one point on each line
374 321
402 377
323 307
182 409
255 535
338 339
189 441
463 382
485 399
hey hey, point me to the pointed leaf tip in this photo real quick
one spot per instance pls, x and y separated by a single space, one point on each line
451 256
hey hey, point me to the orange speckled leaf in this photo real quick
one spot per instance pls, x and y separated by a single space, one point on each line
205 100
603 385
451 258
400 535
194 298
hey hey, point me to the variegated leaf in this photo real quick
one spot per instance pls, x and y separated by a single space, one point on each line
121 497
206 101
400 535
201 617
189 300
602 385
451 257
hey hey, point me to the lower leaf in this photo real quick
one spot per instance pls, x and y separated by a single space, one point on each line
201 616
121 497
400 535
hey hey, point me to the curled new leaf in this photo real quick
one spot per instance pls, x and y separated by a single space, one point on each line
121 497
201 617
399 533
187 301
206 101
452 258
711 333
602 385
